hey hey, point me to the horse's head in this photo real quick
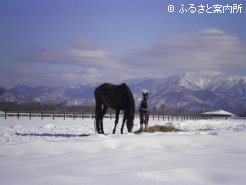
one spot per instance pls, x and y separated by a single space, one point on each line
130 123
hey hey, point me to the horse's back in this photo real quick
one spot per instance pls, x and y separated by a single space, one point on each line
113 96
108 87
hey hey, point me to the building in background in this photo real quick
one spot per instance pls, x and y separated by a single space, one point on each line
219 113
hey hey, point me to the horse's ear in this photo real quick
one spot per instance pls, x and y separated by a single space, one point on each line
124 84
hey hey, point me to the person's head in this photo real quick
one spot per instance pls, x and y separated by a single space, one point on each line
145 94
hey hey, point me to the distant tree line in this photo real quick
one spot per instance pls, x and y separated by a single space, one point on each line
165 110
38 107
90 109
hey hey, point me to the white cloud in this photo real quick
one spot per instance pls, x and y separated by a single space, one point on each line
83 62
210 49
42 55
81 54
96 54
82 44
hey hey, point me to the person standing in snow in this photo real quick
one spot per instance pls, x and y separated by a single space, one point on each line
144 111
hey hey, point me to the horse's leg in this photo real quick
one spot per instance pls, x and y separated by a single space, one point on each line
141 127
141 122
123 123
117 112
101 126
147 121
98 115
98 122
104 111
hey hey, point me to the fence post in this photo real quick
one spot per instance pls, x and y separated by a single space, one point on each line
18 115
5 115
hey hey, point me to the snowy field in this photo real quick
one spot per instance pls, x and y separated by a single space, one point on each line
69 152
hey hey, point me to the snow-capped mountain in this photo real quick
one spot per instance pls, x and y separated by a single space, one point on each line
72 95
191 91
194 91
9 96
214 83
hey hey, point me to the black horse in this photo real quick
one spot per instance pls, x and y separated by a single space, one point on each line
118 97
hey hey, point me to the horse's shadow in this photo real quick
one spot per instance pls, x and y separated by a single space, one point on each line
51 135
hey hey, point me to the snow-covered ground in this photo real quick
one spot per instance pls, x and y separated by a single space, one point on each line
69 152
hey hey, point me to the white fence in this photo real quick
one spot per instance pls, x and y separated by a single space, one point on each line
77 115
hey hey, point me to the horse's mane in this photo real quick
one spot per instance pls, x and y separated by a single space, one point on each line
131 108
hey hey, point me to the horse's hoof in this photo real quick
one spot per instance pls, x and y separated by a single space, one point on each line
100 132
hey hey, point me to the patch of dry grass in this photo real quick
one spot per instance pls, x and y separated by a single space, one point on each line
161 128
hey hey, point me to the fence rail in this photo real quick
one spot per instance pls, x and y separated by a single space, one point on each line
76 115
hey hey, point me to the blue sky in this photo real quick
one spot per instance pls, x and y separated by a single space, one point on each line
68 42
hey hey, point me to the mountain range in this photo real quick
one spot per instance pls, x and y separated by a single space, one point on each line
191 91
